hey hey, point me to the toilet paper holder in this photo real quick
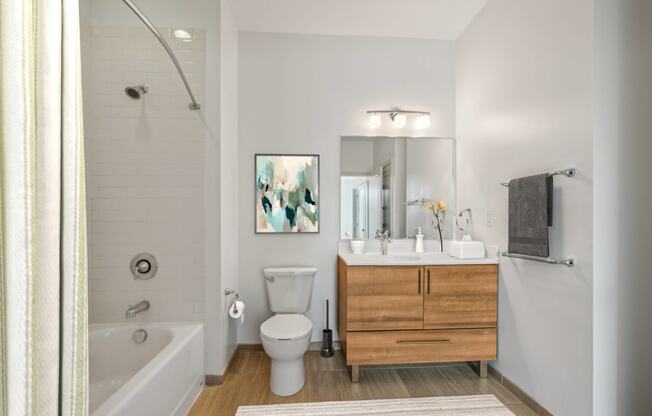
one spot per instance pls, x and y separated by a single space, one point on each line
228 292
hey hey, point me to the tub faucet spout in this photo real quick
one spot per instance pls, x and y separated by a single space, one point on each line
136 309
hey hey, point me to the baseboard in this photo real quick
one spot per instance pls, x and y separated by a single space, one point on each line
211 380
314 346
516 391
250 347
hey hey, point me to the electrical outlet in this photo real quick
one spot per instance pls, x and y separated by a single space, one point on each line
491 218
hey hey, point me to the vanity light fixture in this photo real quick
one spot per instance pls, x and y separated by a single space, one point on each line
399 118
374 120
422 122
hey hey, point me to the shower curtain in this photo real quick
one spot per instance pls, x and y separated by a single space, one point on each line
43 295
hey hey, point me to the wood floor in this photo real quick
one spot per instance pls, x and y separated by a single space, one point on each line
327 379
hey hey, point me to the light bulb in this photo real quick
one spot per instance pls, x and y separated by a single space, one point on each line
400 120
422 122
374 120
182 35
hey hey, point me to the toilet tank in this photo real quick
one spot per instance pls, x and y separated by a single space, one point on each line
289 289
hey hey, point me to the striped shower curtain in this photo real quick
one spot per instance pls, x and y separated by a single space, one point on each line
43 295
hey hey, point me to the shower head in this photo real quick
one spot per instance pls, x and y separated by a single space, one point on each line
136 91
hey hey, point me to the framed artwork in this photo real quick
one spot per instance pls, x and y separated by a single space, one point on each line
287 193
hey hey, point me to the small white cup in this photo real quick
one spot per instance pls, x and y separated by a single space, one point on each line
357 246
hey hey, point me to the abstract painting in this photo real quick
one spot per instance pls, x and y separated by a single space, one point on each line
287 193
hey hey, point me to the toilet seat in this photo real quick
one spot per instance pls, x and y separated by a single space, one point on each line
286 327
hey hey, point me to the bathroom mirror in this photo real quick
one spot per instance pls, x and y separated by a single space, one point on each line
384 182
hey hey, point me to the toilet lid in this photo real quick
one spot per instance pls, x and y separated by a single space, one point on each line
286 327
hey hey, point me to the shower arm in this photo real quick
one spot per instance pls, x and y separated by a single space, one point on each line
194 105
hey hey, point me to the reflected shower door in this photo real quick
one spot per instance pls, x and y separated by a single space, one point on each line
360 217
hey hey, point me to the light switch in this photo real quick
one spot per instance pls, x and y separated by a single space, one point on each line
491 218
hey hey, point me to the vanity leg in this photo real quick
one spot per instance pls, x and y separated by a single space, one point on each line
355 373
482 369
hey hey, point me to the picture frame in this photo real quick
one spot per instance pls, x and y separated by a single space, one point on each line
286 193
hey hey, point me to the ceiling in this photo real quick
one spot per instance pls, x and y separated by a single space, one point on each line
423 19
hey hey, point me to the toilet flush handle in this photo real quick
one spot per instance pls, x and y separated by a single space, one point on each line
269 279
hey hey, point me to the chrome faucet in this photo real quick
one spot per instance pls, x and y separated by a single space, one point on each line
384 240
136 309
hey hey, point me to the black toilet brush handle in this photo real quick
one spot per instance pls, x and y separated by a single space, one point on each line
327 327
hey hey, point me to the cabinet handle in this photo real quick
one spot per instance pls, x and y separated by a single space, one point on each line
424 341
428 281
419 287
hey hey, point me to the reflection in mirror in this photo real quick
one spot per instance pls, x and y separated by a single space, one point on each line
386 182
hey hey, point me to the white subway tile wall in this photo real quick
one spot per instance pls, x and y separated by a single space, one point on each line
145 173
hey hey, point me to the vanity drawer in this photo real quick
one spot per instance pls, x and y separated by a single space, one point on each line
396 347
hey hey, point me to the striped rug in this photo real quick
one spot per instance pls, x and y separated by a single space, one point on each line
485 405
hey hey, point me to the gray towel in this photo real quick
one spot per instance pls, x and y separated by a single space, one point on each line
530 215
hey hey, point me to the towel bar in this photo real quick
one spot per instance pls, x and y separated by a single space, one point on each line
566 172
566 262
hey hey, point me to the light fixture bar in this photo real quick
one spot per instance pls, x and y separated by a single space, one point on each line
398 112
399 118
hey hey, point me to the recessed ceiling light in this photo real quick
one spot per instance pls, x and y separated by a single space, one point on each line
182 35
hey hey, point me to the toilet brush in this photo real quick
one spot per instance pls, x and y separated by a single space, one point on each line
327 338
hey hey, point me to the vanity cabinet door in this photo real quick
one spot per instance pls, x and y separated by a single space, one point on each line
460 296
384 298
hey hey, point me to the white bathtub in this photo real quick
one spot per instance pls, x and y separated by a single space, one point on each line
161 376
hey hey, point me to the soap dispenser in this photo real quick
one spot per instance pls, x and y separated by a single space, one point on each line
418 248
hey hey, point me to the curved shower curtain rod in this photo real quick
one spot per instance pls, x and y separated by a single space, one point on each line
194 105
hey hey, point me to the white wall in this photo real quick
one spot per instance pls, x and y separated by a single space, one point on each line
524 99
229 185
622 197
300 94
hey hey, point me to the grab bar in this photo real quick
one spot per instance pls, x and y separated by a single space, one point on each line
569 173
570 262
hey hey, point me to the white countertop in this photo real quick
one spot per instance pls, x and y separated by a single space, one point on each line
409 259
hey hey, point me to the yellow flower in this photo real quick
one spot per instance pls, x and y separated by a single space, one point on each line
430 206
441 206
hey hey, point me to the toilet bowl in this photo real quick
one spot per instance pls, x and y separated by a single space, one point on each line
286 338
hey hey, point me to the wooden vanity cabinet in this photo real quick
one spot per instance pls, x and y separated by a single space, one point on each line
417 314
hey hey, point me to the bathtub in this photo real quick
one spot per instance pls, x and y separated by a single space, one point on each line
160 376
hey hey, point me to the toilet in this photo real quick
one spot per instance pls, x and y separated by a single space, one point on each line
286 335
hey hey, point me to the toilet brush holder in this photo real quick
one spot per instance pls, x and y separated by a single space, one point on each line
327 343
327 337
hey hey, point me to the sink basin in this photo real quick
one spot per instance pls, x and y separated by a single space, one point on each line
397 257
381 259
